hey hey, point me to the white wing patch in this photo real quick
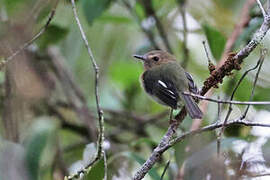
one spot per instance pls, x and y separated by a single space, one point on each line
168 90
162 83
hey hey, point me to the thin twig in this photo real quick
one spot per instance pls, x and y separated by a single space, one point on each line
165 169
228 102
218 110
263 54
234 91
238 29
258 175
158 152
206 52
261 7
213 126
25 45
99 111
218 120
259 62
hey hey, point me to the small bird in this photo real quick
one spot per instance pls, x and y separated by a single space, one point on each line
165 81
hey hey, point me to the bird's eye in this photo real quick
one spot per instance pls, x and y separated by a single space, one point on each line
155 58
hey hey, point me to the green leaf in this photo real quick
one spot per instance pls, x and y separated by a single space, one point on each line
215 39
42 131
243 91
12 6
94 8
139 10
97 172
116 19
52 35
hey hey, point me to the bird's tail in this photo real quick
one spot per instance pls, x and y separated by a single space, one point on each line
191 106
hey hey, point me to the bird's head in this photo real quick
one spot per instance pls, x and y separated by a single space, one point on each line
155 58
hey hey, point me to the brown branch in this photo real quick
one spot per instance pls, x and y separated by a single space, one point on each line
260 61
243 22
233 62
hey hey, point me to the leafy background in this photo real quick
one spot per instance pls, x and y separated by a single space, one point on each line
43 135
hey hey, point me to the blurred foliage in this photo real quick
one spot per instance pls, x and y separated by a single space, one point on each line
93 9
52 35
41 134
215 40
55 141
97 172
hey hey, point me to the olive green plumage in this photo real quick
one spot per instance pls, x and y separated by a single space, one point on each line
165 81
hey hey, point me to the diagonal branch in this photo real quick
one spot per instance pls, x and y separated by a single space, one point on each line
232 63
263 54
28 43
238 29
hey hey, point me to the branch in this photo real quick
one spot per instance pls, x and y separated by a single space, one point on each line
233 62
259 63
159 151
261 60
25 45
99 111
228 102
214 126
261 7
243 22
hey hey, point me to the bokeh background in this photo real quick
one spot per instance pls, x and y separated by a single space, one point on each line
47 104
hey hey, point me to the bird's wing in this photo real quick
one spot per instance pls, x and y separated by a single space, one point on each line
166 91
191 84
161 88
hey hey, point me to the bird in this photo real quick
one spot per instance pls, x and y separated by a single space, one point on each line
166 81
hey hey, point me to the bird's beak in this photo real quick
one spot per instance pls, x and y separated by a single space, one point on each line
139 57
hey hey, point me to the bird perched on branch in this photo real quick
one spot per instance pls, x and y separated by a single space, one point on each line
165 81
